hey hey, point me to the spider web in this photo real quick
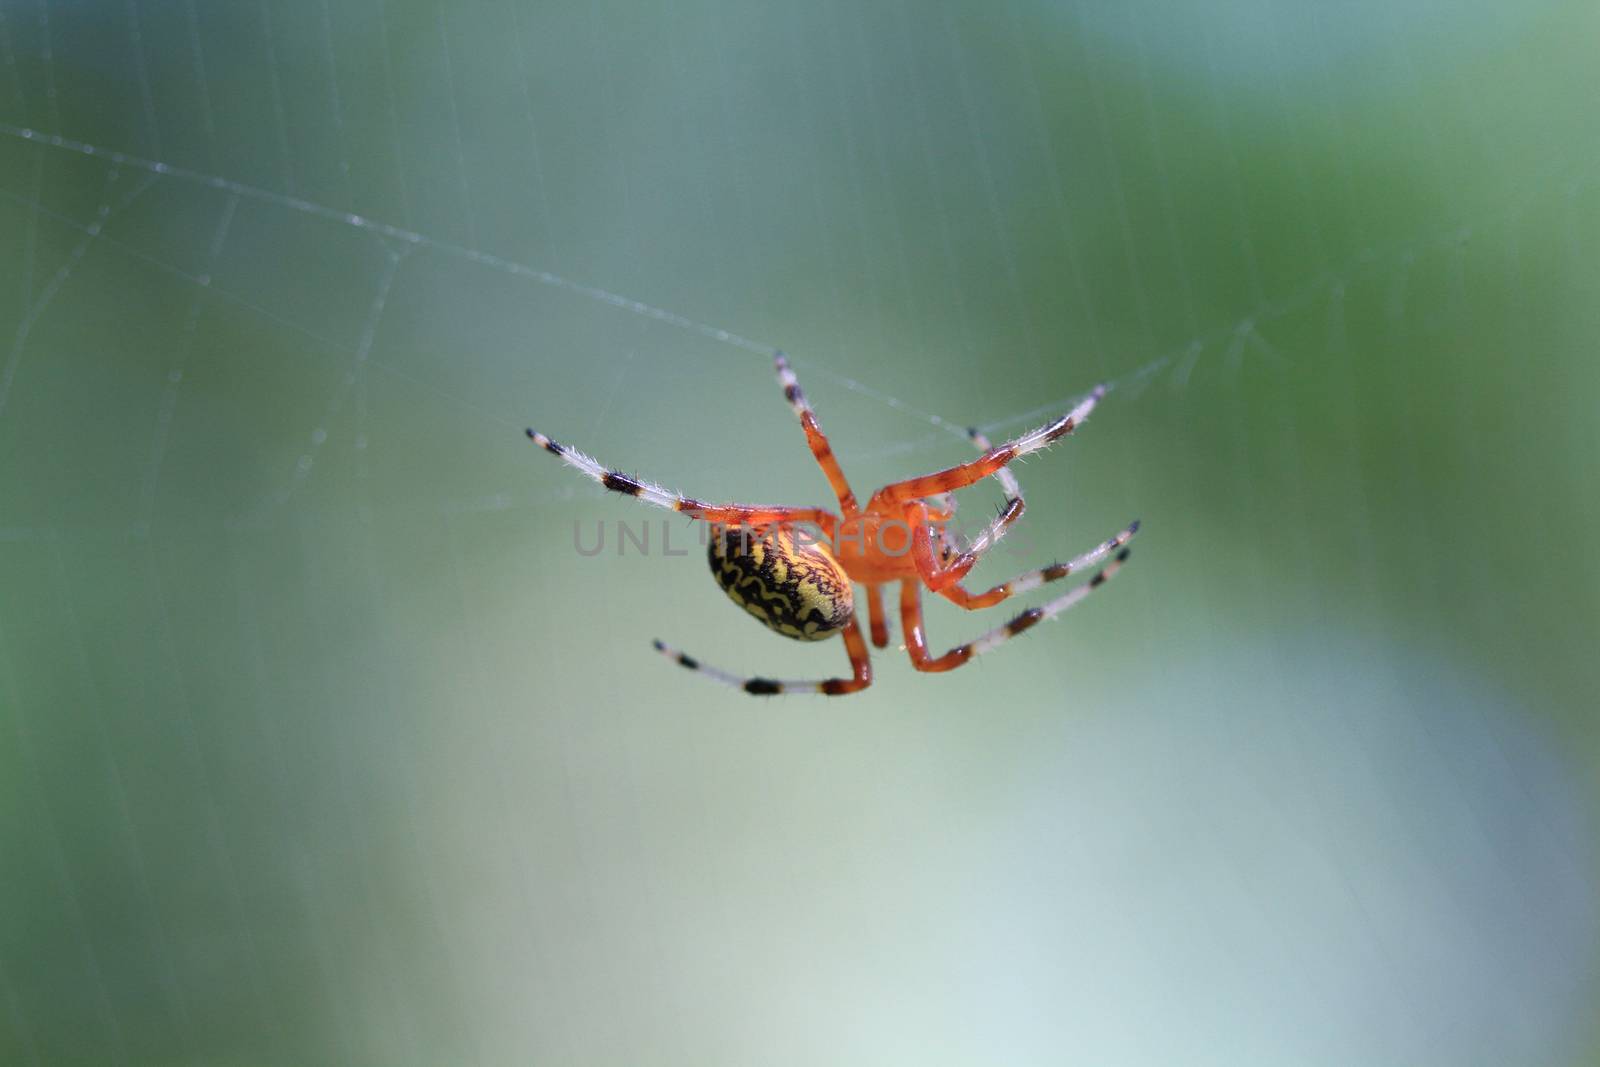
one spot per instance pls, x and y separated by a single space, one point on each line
316 745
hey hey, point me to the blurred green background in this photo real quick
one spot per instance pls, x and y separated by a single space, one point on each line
321 744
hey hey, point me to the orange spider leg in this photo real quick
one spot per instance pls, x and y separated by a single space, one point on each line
965 474
947 480
1009 513
1030 580
814 436
756 515
875 616
957 568
917 643
938 574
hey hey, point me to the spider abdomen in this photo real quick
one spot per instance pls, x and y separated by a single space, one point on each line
794 587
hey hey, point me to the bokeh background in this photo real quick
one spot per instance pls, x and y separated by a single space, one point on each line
321 744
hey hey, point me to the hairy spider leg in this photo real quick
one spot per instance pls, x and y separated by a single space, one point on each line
965 474
650 493
860 670
814 435
1031 580
942 507
1010 511
917 642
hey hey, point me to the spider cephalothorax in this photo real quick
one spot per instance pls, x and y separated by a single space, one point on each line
792 568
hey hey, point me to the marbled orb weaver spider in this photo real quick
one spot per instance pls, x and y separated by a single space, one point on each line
800 586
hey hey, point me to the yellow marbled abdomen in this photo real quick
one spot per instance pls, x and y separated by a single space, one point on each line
795 587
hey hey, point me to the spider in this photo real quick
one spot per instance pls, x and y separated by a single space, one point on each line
800 586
